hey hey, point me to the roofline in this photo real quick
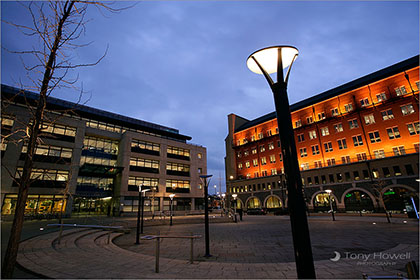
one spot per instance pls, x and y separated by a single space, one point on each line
93 113
360 82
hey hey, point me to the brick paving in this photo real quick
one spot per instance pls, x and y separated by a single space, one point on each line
258 247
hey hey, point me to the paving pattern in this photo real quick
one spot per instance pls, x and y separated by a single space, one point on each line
258 247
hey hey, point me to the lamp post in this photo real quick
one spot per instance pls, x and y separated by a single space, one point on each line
140 208
234 205
267 61
206 212
331 206
223 203
171 196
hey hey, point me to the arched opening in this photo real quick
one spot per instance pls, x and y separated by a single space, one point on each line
398 200
238 203
273 203
357 201
322 202
253 203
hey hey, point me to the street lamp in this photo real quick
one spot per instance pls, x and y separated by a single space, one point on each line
273 60
140 208
171 196
331 206
234 205
223 203
206 212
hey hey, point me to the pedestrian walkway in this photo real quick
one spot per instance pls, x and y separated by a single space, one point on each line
85 253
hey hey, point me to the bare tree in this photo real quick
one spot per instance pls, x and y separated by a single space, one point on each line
58 25
378 188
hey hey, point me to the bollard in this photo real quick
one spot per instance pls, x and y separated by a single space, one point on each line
157 255
109 236
192 250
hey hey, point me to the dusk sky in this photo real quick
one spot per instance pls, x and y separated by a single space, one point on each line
182 64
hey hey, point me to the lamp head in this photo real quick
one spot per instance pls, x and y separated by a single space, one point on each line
171 196
268 58
328 191
234 196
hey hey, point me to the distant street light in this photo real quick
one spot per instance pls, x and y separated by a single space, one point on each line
234 205
206 212
331 206
140 208
223 203
171 196
267 61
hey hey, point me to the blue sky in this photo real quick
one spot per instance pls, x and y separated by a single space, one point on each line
183 63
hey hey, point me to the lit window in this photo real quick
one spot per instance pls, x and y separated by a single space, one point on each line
361 157
364 102
338 127
200 155
342 144
262 148
239 166
263 161
273 171
269 133
309 120
348 107
398 151
407 109
298 123
387 114
345 159
255 162
272 158
321 116
353 123
303 152
334 112
260 135
239 154
393 132
247 164
374 137
270 146
245 141
400 90
312 134
254 151
369 119
304 166
357 140
325 131
413 128
246 153
252 138
379 153
381 97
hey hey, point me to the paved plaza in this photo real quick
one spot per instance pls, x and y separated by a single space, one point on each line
258 247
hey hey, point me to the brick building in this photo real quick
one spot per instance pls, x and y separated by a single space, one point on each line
361 140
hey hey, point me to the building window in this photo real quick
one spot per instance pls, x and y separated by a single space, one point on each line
245 141
144 165
272 158
409 169
271 146
393 132
303 152
256 175
417 147
375 173
255 162
369 119
364 102
298 123
338 127
365 174
381 97
309 120
387 114
277 130
178 153
178 186
379 153
386 172
325 131
357 140
312 134
304 166
397 170
264 174
260 135
331 177
315 150
356 175
247 164
246 153
353 123
334 112
374 137
407 109
252 138
398 151
273 171
309 180
413 128
328 147
263 161
348 107
331 161
321 116
144 147
361 157
269 133
239 154
238 143
345 159
342 144
239 166
254 150
400 91
339 177
300 137
262 148
318 164
280 157
316 178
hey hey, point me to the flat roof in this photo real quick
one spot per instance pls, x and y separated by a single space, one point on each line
21 96
360 82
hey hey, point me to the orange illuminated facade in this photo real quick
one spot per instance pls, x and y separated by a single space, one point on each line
348 138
